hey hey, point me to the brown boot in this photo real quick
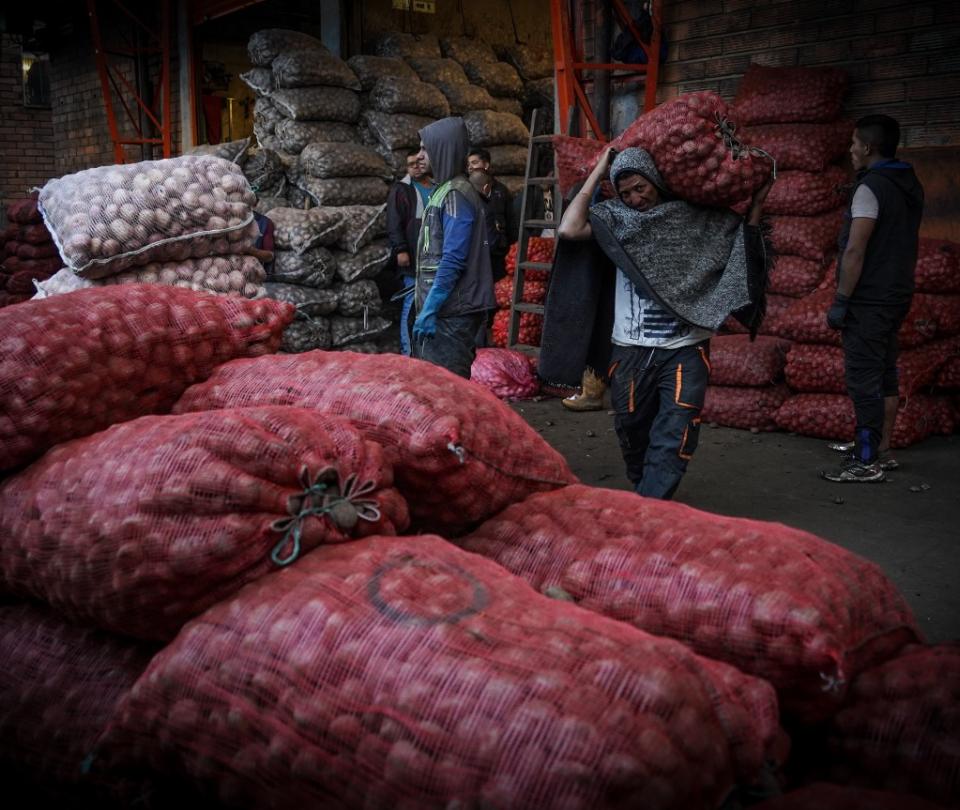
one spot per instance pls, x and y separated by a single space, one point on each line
590 397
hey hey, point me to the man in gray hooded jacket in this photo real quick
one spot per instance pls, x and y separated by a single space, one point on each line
681 269
454 287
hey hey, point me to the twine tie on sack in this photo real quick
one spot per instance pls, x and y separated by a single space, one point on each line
832 684
459 451
324 495
726 131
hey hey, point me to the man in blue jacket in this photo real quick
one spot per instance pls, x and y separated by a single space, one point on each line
878 253
454 286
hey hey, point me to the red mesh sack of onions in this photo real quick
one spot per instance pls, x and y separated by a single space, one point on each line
744 408
539 250
813 237
900 725
406 673
531 329
574 157
948 375
944 309
534 292
807 147
938 266
24 211
73 364
59 686
807 193
736 360
831 416
507 373
692 141
769 95
460 454
825 796
775 602
145 525
806 321
795 276
815 368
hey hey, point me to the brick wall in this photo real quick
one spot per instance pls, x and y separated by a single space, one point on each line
26 133
903 58
81 133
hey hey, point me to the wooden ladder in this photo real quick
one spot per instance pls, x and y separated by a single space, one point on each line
537 144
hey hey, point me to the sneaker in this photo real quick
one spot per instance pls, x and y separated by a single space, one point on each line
842 447
852 471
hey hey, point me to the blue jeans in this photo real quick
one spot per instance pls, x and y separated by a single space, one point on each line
405 324
657 397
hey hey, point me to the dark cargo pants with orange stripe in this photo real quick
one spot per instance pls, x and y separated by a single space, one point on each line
657 398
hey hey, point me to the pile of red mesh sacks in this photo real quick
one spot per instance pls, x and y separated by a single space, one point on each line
795 115
929 344
539 250
28 252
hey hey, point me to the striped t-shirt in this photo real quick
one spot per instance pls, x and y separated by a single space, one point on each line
639 321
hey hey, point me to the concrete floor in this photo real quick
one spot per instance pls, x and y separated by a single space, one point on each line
913 535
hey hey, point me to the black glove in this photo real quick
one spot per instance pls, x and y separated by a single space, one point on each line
838 311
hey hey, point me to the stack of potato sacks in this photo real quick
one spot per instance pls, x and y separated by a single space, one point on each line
486 92
184 222
28 252
795 114
324 191
539 251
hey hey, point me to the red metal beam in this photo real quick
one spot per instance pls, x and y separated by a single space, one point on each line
113 81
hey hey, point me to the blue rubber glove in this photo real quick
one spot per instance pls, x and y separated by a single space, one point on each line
838 311
425 326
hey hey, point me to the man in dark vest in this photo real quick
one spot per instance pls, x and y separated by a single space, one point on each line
454 287
878 253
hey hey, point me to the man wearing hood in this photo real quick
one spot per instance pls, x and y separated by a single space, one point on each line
878 253
454 286
681 269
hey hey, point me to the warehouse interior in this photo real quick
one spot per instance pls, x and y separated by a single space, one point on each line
252 554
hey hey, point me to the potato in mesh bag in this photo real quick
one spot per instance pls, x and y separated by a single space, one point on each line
318 103
513 182
258 79
266 116
308 300
234 151
264 171
306 334
299 230
110 218
467 49
508 159
308 68
506 104
241 275
370 68
265 46
362 224
396 130
298 198
358 298
295 135
396 159
366 263
327 159
345 331
312 268
531 63
488 128
265 204
396 95
343 191
395 43
435 71
498 77
463 98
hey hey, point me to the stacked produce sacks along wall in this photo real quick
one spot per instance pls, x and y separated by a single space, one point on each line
792 377
28 254
332 134
216 588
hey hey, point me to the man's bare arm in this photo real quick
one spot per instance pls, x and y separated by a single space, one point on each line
575 223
